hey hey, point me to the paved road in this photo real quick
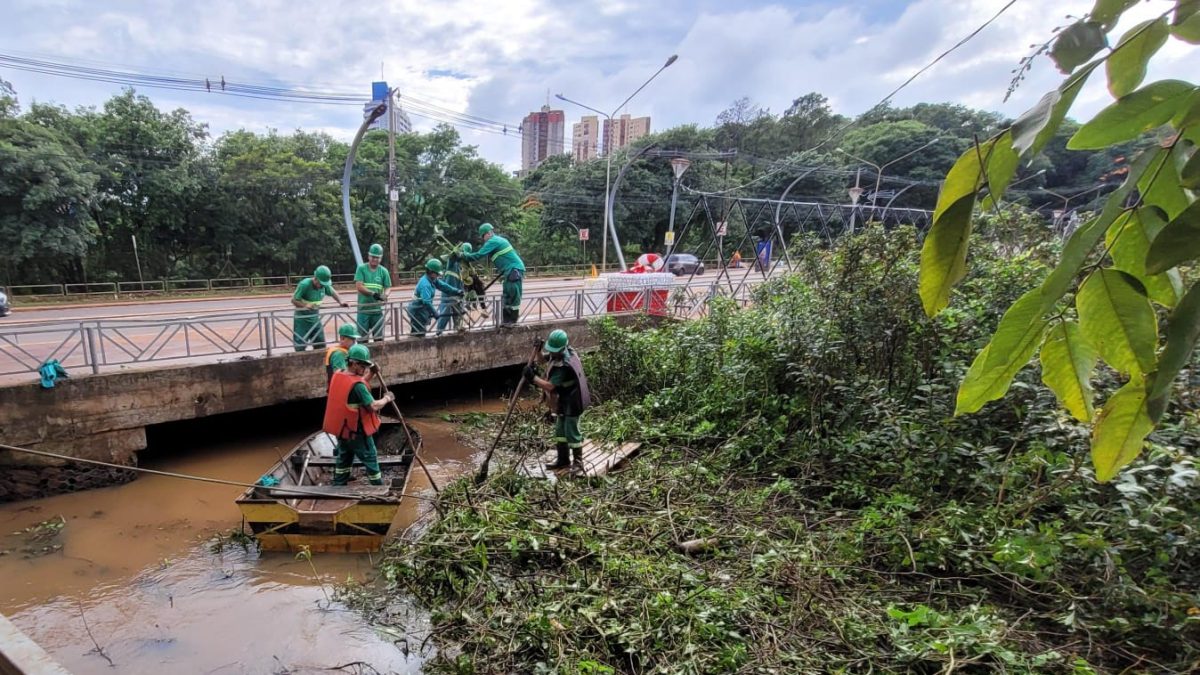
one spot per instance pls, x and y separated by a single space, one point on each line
150 333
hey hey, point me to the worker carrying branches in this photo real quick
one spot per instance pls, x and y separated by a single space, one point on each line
508 265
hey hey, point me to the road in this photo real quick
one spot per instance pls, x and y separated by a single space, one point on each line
219 329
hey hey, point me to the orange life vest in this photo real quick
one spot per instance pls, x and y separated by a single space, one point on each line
329 355
343 419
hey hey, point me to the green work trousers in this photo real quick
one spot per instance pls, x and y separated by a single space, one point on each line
307 330
419 316
370 325
511 299
566 430
362 448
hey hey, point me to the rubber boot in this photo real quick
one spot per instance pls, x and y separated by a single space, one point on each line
564 458
577 465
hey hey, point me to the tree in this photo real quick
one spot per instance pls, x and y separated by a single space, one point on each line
1101 302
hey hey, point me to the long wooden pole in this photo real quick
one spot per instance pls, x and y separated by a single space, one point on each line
512 403
411 443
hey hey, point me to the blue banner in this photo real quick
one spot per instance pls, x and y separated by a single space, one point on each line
763 250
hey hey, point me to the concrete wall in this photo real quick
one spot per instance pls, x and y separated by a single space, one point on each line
105 416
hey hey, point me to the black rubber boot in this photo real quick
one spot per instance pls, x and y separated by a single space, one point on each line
577 465
564 458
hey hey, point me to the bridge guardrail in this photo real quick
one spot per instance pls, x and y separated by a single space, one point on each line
115 343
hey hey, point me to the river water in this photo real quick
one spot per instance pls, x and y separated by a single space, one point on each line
132 570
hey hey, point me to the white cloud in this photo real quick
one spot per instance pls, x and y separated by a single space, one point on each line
499 60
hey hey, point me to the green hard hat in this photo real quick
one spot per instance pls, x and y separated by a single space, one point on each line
348 330
376 251
466 247
485 228
433 265
556 342
359 353
323 274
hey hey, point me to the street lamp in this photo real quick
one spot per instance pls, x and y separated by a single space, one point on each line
880 167
608 224
678 166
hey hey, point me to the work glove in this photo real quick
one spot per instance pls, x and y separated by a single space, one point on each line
377 296
530 372
345 304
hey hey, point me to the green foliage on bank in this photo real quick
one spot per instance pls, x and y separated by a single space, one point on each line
849 522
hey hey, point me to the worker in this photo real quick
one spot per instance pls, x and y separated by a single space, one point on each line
372 281
567 386
450 308
306 322
508 265
335 356
352 417
421 310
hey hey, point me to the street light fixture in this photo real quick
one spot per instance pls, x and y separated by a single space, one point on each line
608 222
880 167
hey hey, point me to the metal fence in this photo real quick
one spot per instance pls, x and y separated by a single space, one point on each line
107 344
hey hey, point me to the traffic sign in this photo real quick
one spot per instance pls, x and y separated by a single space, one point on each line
670 239
583 234
722 228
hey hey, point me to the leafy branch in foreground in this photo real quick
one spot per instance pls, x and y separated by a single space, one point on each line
1150 227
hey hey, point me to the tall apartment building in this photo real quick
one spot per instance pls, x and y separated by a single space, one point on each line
541 137
623 131
585 137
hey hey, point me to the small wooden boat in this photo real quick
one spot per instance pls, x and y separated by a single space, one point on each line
296 506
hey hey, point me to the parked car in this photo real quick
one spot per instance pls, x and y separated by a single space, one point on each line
684 263
5 308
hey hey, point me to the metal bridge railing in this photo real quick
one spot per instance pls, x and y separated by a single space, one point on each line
96 345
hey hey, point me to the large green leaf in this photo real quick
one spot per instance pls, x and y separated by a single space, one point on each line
1037 126
1127 64
1121 429
1130 116
944 253
1183 330
1116 318
1186 24
1128 243
1011 347
1083 241
1106 12
1189 175
1178 242
1067 364
1161 186
1188 114
1076 44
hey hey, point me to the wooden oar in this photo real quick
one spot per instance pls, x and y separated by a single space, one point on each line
411 443
512 403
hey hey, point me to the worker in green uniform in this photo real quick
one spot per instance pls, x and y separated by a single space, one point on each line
372 281
421 309
450 307
567 386
352 416
508 264
335 356
306 322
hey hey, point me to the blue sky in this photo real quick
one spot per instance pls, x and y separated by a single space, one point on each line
498 60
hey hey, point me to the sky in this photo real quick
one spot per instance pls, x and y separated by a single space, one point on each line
500 60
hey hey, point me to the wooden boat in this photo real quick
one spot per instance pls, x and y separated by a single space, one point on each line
293 513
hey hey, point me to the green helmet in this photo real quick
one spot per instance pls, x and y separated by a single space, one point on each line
376 251
556 342
323 274
433 265
359 353
348 330
466 247
485 228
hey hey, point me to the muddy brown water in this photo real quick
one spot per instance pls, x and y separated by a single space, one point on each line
136 570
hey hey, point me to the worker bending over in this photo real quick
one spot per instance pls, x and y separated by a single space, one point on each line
508 265
421 310
568 389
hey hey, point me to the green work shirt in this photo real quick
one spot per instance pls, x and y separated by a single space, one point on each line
337 360
565 385
500 252
375 282
306 293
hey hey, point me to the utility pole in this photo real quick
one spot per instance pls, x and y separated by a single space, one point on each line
393 247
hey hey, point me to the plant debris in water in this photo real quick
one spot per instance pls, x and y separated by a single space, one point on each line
38 539
806 502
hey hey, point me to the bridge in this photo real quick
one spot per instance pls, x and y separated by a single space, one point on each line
136 373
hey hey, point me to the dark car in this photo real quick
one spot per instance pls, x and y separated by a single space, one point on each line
5 308
684 263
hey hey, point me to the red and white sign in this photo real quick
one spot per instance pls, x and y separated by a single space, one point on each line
722 228
583 234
